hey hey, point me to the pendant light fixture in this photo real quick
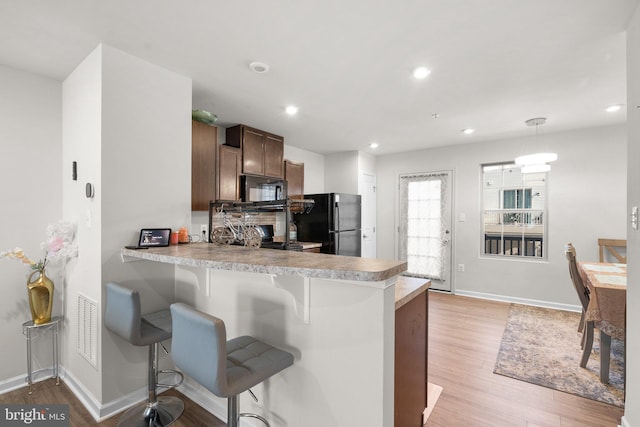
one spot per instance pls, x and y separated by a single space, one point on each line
537 162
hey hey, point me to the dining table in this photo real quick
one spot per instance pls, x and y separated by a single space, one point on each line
607 284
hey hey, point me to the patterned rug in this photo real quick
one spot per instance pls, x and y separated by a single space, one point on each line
542 346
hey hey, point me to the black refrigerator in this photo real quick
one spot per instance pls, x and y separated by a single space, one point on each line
334 221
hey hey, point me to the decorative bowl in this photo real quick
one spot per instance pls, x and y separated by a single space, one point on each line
203 117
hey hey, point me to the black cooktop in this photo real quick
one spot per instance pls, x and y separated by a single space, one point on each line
281 245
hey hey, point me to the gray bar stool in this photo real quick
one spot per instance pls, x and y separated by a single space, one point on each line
226 368
123 317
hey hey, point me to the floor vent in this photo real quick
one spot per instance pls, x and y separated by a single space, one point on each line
88 329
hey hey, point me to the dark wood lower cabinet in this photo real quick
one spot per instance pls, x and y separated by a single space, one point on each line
411 361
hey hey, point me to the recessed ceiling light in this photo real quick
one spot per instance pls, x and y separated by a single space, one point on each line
373 145
291 110
435 115
421 72
468 131
259 67
613 108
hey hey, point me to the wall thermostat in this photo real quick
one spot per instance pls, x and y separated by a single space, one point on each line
89 191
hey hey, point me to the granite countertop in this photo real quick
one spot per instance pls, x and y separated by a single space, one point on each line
272 261
407 288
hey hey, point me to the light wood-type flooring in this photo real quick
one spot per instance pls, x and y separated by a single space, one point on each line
464 338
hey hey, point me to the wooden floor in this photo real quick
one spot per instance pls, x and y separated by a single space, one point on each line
46 392
464 338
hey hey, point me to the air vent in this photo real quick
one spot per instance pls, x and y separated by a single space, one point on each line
88 329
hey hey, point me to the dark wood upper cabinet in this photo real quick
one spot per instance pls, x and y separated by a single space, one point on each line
274 156
262 152
294 175
229 170
204 141
253 152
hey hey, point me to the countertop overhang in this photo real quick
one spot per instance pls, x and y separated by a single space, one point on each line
272 261
407 288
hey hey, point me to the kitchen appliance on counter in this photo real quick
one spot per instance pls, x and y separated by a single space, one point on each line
262 189
335 221
266 231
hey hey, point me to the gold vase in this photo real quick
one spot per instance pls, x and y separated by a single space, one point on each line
40 297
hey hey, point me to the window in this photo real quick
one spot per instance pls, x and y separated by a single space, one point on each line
516 199
514 211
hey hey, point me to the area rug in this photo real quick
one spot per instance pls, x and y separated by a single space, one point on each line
542 346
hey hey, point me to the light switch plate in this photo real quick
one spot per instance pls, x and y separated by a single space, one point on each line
634 217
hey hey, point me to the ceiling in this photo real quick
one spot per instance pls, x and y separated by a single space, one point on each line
347 64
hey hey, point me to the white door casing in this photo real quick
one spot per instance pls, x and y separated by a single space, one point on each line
368 194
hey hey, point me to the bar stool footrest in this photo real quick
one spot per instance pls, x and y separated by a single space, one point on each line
169 371
256 416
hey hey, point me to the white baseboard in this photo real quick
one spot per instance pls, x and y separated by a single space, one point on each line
624 422
84 396
92 405
525 301
100 412
123 403
14 383
20 381
212 404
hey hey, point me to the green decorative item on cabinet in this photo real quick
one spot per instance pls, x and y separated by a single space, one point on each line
203 116
40 297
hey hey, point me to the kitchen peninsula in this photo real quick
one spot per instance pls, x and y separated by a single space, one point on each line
335 314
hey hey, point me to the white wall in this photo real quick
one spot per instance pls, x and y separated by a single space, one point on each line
128 124
343 170
31 194
341 173
586 193
366 163
632 404
82 138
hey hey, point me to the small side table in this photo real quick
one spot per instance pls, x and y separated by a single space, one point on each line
28 330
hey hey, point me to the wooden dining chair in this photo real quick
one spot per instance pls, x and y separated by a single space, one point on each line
612 246
586 328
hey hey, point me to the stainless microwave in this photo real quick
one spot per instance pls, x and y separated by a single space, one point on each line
260 189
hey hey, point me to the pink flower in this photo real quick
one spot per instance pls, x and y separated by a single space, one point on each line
55 244
59 245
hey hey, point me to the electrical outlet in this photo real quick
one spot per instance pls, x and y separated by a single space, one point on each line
204 232
461 268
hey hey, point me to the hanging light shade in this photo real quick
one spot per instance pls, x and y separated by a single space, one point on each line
535 168
536 159
537 162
